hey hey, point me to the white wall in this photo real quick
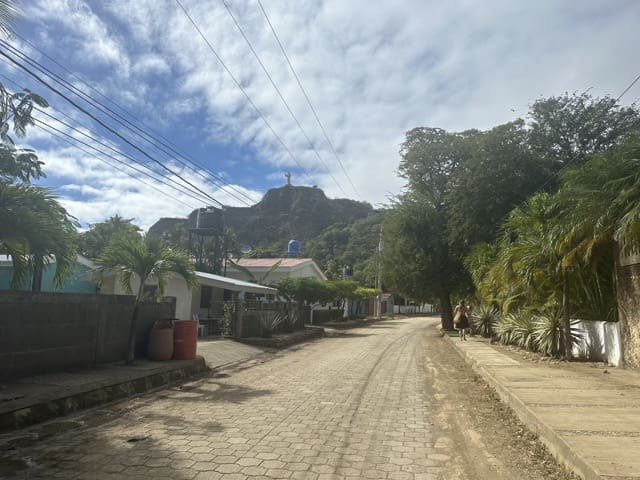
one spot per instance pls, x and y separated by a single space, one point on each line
600 342
176 287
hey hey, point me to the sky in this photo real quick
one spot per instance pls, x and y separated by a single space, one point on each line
192 119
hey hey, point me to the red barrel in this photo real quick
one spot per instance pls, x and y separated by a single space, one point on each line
185 339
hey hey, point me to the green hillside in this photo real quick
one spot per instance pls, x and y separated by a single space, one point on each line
334 232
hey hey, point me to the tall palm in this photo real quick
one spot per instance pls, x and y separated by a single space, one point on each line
7 13
35 229
144 260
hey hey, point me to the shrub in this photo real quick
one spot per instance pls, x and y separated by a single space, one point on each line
269 320
484 320
549 333
517 329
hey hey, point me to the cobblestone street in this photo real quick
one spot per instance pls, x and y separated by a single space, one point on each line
360 404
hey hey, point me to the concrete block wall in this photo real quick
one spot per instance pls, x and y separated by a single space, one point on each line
49 332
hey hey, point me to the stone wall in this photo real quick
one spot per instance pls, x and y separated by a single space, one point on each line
49 332
629 312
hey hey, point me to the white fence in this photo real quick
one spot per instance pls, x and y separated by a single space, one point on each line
599 341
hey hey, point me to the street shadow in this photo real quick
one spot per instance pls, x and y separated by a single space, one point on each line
209 389
126 449
347 334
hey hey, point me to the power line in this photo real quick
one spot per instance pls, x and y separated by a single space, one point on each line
628 88
286 104
179 188
104 125
150 132
45 127
315 114
121 120
244 92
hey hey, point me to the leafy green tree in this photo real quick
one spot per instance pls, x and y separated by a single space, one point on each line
500 173
94 240
416 259
306 290
417 248
568 128
142 260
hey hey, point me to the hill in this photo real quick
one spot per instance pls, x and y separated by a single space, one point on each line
284 213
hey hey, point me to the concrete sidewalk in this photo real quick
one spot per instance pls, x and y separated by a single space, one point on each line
34 399
587 414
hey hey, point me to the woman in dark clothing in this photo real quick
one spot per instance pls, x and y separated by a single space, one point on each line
461 319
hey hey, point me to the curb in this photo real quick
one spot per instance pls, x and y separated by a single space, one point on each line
554 443
46 409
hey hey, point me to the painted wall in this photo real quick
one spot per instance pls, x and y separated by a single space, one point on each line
599 342
186 302
49 332
74 284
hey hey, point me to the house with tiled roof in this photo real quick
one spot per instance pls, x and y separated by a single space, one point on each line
266 271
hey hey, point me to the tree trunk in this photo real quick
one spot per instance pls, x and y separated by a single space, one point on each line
131 353
566 317
446 312
36 281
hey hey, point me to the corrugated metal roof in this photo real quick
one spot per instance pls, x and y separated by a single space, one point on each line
211 280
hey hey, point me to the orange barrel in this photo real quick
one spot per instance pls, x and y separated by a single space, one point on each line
185 339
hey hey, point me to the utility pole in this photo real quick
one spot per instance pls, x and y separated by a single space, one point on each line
378 312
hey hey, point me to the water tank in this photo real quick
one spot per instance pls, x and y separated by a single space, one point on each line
293 248
210 218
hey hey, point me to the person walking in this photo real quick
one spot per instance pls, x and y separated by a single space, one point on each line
461 319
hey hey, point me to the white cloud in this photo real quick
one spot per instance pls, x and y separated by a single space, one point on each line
372 72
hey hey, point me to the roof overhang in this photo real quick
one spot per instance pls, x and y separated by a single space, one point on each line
217 281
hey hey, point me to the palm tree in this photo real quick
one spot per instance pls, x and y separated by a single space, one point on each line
144 260
601 205
7 13
35 229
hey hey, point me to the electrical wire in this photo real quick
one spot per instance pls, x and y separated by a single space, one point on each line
149 134
92 102
240 87
286 104
53 132
628 88
104 125
306 96
176 186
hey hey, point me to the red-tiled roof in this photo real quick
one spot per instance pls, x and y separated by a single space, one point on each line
269 262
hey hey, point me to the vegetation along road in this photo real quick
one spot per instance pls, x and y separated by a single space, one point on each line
391 400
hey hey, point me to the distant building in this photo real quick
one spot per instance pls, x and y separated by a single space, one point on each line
288 268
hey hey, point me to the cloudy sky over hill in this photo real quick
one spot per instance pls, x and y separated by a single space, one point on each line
193 119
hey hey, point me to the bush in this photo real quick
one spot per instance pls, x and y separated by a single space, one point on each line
517 329
549 333
484 320
269 321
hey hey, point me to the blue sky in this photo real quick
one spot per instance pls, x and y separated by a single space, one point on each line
372 70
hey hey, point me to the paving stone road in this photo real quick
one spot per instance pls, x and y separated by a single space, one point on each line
356 405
